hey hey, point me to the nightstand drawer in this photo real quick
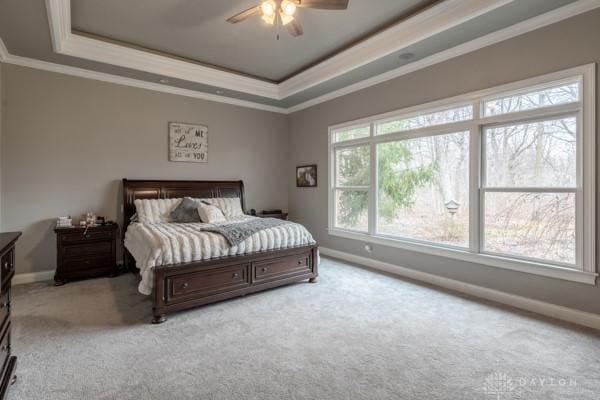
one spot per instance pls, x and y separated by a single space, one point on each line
83 249
90 236
85 263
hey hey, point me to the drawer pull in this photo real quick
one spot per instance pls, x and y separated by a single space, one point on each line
5 347
4 305
185 285
235 275
299 262
264 269
86 262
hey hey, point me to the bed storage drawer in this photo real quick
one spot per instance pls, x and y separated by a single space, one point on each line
279 268
209 282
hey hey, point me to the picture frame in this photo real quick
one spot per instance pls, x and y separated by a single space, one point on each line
188 142
306 175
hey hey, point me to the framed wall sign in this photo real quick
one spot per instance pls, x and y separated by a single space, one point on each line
188 142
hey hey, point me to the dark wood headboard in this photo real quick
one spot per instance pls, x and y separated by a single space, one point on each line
157 189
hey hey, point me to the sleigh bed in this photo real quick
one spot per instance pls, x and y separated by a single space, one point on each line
187 283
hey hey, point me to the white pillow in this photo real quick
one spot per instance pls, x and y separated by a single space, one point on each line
230 206
210 214
155 210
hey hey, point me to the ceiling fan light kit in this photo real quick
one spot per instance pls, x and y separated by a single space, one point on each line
283 12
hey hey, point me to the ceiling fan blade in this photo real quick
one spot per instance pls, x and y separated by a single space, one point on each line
244 15
294 28
324 4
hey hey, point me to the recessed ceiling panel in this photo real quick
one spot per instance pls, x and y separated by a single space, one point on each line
197 30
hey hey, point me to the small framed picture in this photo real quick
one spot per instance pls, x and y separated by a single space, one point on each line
306 176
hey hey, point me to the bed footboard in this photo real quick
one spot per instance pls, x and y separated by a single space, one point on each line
183 286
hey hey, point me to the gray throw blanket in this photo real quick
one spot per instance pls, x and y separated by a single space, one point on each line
237 232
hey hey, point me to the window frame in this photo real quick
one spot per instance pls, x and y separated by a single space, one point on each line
585 269
335 187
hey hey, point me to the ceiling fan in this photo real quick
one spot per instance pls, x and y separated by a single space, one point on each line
282 12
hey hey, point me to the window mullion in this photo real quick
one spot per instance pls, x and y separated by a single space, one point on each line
373 184
475 171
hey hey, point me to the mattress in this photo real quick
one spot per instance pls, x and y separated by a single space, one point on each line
156 244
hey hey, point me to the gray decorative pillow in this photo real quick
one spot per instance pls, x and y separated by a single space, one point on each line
186 211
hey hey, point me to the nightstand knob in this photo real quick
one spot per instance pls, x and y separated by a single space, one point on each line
185 285
264 269
5 347
4 305
86 261
235 274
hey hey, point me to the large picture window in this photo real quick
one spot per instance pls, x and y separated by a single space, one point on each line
423 188
503 177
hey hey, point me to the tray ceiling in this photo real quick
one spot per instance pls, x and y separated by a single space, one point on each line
197 30
202 49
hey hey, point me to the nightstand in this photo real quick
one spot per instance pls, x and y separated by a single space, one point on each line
85 253
282 215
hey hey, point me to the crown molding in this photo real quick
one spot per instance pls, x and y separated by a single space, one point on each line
439 18
3 51
434 20
67 43
549 18
157 87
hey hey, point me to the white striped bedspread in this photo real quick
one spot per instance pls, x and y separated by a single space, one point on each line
155 244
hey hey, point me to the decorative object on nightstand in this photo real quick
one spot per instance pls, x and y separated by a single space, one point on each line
85 252
273 214
7 271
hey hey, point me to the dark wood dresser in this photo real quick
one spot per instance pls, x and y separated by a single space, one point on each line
85 253
7 271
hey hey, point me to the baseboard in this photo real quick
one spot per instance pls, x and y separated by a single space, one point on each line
20 279
584 318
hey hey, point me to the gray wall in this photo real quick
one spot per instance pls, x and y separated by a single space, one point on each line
1 107
567 44
68 142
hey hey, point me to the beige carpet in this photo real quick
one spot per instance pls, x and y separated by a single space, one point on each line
357 334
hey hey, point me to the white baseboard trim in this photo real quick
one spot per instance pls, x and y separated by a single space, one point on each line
41 276
540 307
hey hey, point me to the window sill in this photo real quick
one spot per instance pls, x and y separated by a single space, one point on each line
529 267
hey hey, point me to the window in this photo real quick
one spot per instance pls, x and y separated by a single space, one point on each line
353 132
455 114
529 100
423 188
503 177
352 177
